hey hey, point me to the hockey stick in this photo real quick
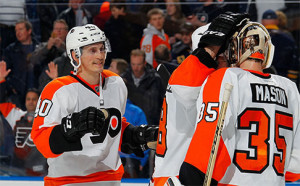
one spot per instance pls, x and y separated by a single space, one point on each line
217 137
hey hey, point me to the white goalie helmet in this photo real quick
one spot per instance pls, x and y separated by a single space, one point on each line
80 36
251 41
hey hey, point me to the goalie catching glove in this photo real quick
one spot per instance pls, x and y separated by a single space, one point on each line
135 139
221 30
77 124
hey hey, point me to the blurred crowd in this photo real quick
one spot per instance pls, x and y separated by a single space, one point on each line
142 35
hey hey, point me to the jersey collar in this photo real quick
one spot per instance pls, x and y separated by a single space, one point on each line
260 74
93 88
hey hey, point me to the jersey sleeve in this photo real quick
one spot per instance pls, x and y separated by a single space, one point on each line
187 79
11 113
293 169
208 109
54 104
178 121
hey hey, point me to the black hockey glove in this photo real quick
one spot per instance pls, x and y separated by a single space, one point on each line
135 139
221 30
77 124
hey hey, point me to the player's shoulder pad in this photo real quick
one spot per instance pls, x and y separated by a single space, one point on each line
60 81
108 73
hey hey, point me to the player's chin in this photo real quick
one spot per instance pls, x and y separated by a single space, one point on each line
98 69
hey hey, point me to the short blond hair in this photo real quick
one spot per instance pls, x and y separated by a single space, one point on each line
154 11
138 52
62 21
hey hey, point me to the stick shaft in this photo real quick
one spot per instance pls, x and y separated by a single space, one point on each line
217 137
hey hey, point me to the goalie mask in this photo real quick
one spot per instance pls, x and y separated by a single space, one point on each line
251 41
81 36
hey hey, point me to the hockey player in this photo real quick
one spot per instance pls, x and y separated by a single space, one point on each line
260 138
81 141
178 118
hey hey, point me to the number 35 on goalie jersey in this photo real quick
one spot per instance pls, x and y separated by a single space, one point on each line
260 137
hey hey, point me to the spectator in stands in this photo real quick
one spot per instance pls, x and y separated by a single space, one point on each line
282 22
174 18
204 13
183 48
93 6
26 160
53 48
17 57
103 15
144 86
60 66
120 27
47 12
6 133
76 15
154 35
163 56
133 165
286 57
11 12
118 66
292 13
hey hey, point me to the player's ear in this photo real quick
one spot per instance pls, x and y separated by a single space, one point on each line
75 56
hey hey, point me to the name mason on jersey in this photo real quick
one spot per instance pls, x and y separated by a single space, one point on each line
262 93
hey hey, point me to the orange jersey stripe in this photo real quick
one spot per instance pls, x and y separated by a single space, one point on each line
289 176
5 108
108 73
41 136
160 181
200 147
124 125
109 175
193 71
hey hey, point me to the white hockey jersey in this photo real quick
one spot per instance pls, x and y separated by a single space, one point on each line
178 117
11 113
97 161
260 138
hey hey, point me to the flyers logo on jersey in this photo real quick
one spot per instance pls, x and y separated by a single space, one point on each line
23 137
112 126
